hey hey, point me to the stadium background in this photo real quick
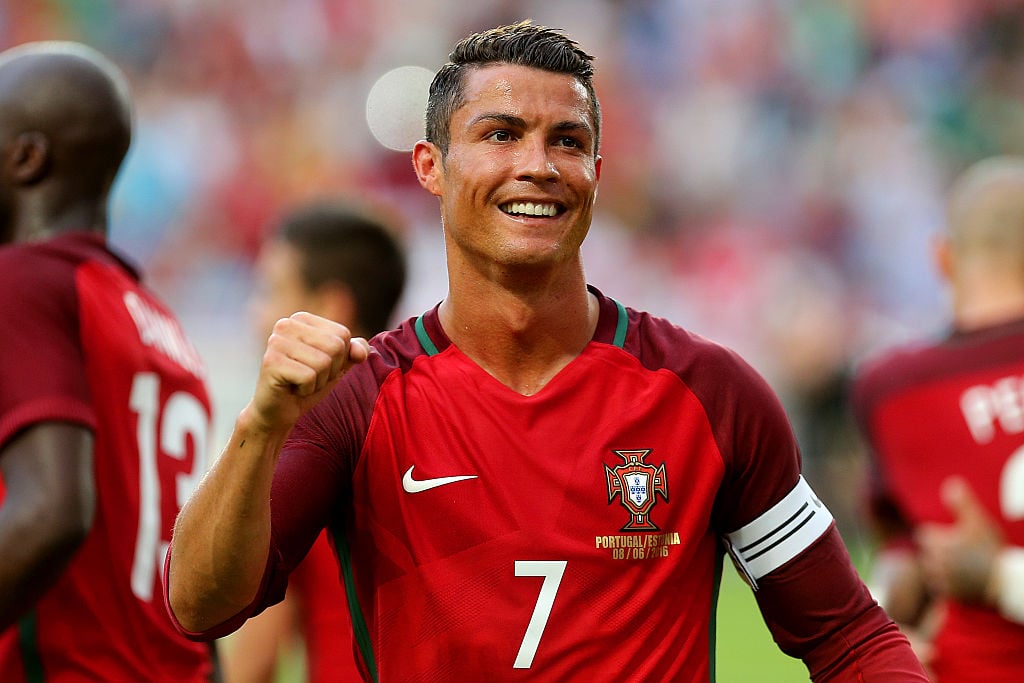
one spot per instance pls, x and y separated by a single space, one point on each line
774 171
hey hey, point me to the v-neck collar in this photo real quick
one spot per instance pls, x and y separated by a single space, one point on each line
612 324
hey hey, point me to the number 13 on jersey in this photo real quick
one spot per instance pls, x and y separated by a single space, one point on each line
180 417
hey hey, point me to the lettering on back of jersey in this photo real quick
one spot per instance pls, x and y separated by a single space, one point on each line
988 406
159 331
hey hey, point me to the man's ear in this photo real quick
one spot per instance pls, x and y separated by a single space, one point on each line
28 158
426 160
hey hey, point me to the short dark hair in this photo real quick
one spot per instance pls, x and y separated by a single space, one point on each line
350 245
525 44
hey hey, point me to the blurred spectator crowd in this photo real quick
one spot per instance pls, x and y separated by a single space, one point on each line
774 169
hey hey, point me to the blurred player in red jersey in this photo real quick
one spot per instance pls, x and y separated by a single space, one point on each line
104 413
344 263
945 421
529 481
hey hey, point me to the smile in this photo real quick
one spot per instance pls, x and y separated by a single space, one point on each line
529 209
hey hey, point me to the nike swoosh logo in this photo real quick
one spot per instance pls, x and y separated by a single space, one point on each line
419 485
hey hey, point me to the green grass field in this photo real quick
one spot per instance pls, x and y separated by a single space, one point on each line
746 651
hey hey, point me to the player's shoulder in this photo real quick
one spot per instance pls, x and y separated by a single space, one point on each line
950 355
660 342
33 267
714 372
391 351
23 255
40 259
399 346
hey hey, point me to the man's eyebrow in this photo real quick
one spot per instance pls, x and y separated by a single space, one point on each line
507 119
513 121
574 126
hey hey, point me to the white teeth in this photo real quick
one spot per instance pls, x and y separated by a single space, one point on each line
530 209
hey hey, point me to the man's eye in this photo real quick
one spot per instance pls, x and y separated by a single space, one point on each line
567 141
500 136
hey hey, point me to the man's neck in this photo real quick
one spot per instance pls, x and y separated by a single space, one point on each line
35 223
522 338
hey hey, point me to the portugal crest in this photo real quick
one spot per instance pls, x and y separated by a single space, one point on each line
637 484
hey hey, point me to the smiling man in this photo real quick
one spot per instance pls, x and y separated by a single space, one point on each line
529 481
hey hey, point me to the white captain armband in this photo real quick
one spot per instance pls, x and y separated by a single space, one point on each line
784 531
1010 567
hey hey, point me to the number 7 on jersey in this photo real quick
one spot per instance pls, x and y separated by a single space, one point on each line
552 571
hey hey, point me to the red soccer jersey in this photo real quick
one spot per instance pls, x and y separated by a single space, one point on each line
955 407
569 535
81 340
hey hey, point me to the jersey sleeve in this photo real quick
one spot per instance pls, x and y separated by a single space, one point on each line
40 352
314 473
754 437
819 610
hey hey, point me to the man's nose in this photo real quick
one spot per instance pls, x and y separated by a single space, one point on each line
535 161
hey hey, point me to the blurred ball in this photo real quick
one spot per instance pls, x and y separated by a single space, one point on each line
395 107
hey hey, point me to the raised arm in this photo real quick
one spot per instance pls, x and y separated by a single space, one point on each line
47 513
222 535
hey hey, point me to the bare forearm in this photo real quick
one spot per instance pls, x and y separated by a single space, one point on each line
222 535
